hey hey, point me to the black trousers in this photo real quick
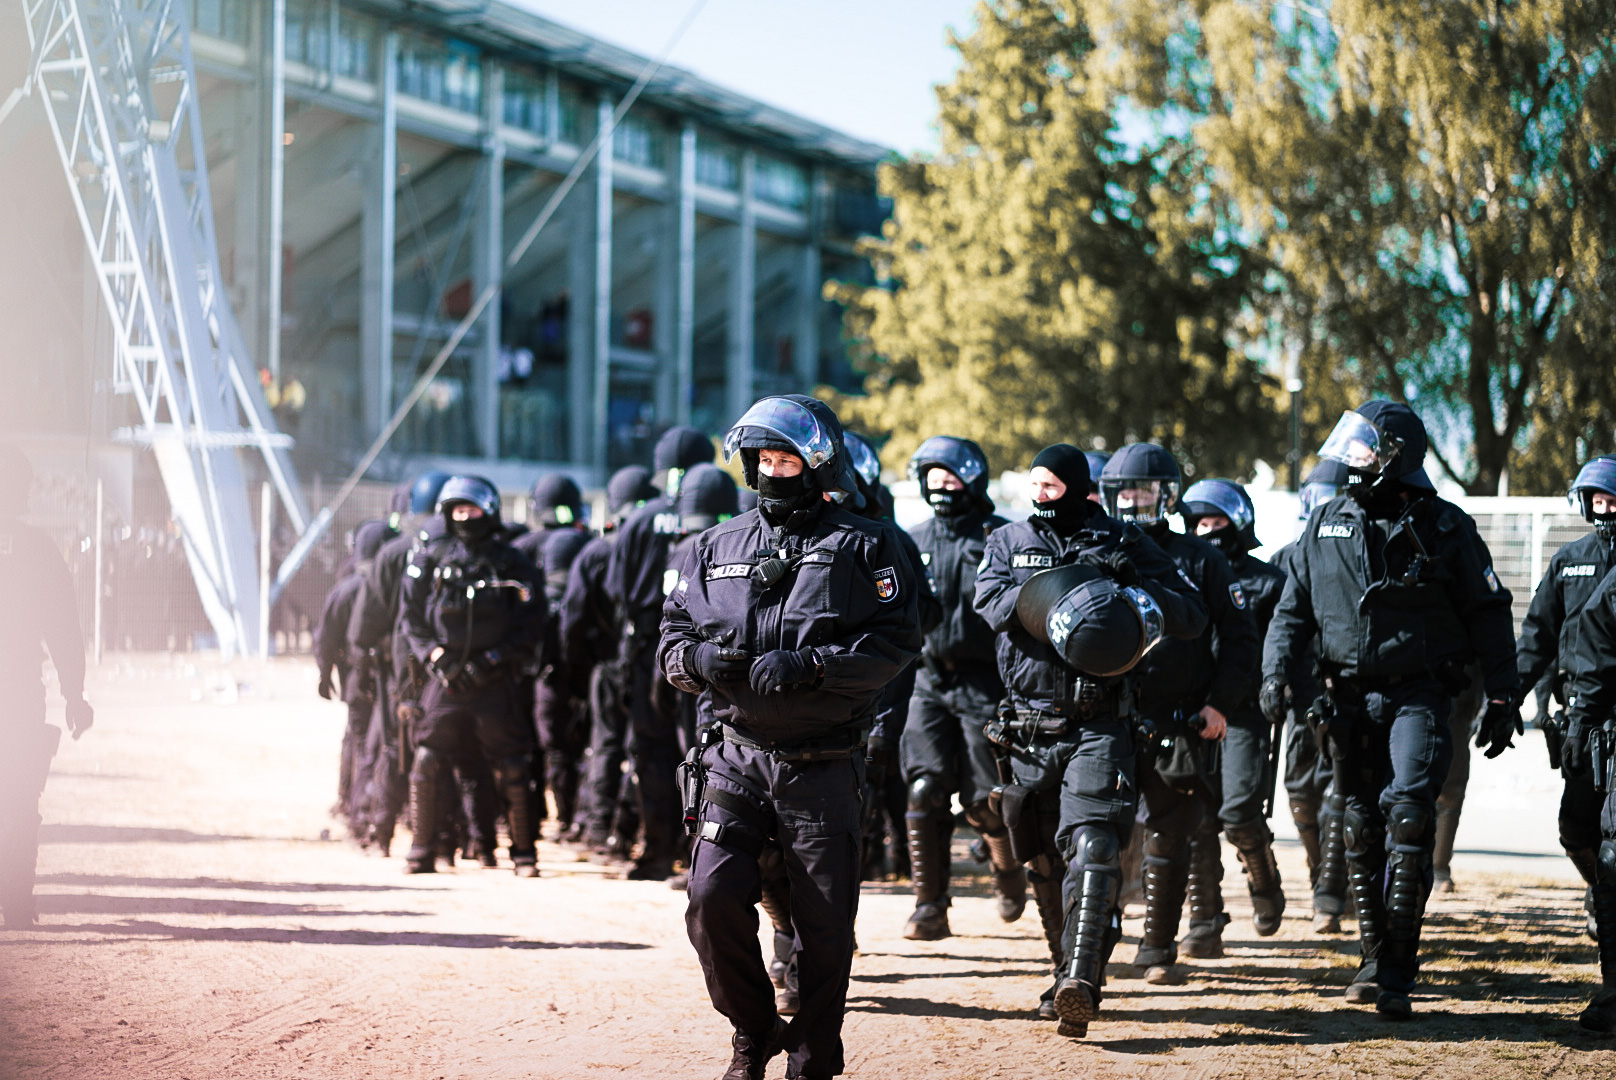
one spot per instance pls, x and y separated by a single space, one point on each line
814 810
1245 769
561 718
608 748
27 745
653 746
943 737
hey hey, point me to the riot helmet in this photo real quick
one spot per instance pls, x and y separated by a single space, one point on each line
706 498
1380 440
424 491
1322 484
962 458
1097 626
557 500
678 449
1228 500
1096 460
398 503
1140 484
629 487
369 538
804 427
476 491
1597 477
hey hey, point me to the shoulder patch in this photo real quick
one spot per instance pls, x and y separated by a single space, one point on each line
886 585
1238 595
1492 579
1337 532
1029 561
728 570
1578 570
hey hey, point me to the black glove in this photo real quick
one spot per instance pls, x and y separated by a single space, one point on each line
1274 698
1574 749
79 717
877 756
1499 724
325 688
716 664
1117 565
778 671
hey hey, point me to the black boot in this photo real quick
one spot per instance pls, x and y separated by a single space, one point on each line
1364 877
426 780
1009 879
1330 885
1447 830
514 777
752 1053
930 833
1586 860
1305 813
1166 874
1255 845
1204 939
1600 1015
1044 878
1091 929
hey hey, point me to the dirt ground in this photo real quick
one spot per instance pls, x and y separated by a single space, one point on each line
198 920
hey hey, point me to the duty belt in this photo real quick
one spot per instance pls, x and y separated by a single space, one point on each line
838 746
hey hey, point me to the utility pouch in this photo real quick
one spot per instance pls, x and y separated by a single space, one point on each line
693 782
1553 739
1178 762
1019 808
1599 758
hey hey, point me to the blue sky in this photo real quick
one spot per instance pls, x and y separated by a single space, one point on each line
866 67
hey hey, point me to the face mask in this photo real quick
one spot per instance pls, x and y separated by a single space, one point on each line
1381 501
945 503
475 530
1226 540
1067 514
781 496
1605 526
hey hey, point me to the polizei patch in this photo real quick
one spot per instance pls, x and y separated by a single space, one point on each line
729 570
886 585
1335 532
1580 570
1492 579
1030 562
1238 595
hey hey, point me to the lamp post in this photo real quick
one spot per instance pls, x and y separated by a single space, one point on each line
1293 386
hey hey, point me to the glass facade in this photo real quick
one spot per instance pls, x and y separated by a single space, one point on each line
523 105
443 71
638 141
227 20
718 165
780 183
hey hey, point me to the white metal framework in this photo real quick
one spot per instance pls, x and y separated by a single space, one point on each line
119 87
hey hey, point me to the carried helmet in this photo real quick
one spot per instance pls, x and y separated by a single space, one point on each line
1140 467
1098 627
962 457
1223 498
706 497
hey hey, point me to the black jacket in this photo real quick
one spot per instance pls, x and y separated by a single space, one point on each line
469 599
951 549
331 650
1217 668
1033 672
1591 697
1548 644
638 558
1305 684
1381 609
590 625
852 597
1263 584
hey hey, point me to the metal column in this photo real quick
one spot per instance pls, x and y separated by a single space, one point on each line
378 235
602 293
488 261
685 283
809 302
267 330
742 294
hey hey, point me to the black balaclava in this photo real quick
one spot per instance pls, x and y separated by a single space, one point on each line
1072 510
949 504
781 496
476 530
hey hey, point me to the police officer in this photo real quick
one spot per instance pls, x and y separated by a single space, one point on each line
561 690
1400 590
794 617
1188 689
1590 732
634 583
354 671
1069 728
957 691
474 617
1222 513
36 593
591 635
1548 648
1316 807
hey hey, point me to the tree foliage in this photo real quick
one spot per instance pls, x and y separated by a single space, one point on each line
1050 280
1419 199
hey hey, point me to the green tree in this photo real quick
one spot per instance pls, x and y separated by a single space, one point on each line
1053 277
1434 183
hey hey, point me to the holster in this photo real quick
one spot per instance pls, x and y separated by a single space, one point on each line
1553 738
693 781
1599 757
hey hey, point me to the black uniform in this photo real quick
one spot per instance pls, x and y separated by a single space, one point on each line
41 614
1182 787
480 602
355 676
1071 808
957 692
1548 647
591 634
1399 608
791 764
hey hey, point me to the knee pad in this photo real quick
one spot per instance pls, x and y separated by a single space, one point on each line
1408 824
1095 844
1249 834
927 794
1305 813
1356 835
1163 845
1607 862
983 819
513 771
429 762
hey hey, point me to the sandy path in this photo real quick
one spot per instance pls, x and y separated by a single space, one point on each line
194 925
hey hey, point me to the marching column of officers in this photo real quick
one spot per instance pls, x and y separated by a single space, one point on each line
1105 697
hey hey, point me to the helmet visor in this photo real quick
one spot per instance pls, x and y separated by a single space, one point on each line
788 420
1315 495
862 454
1596 477
1151 616
1360 445
949 453
1226 497
1138 501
